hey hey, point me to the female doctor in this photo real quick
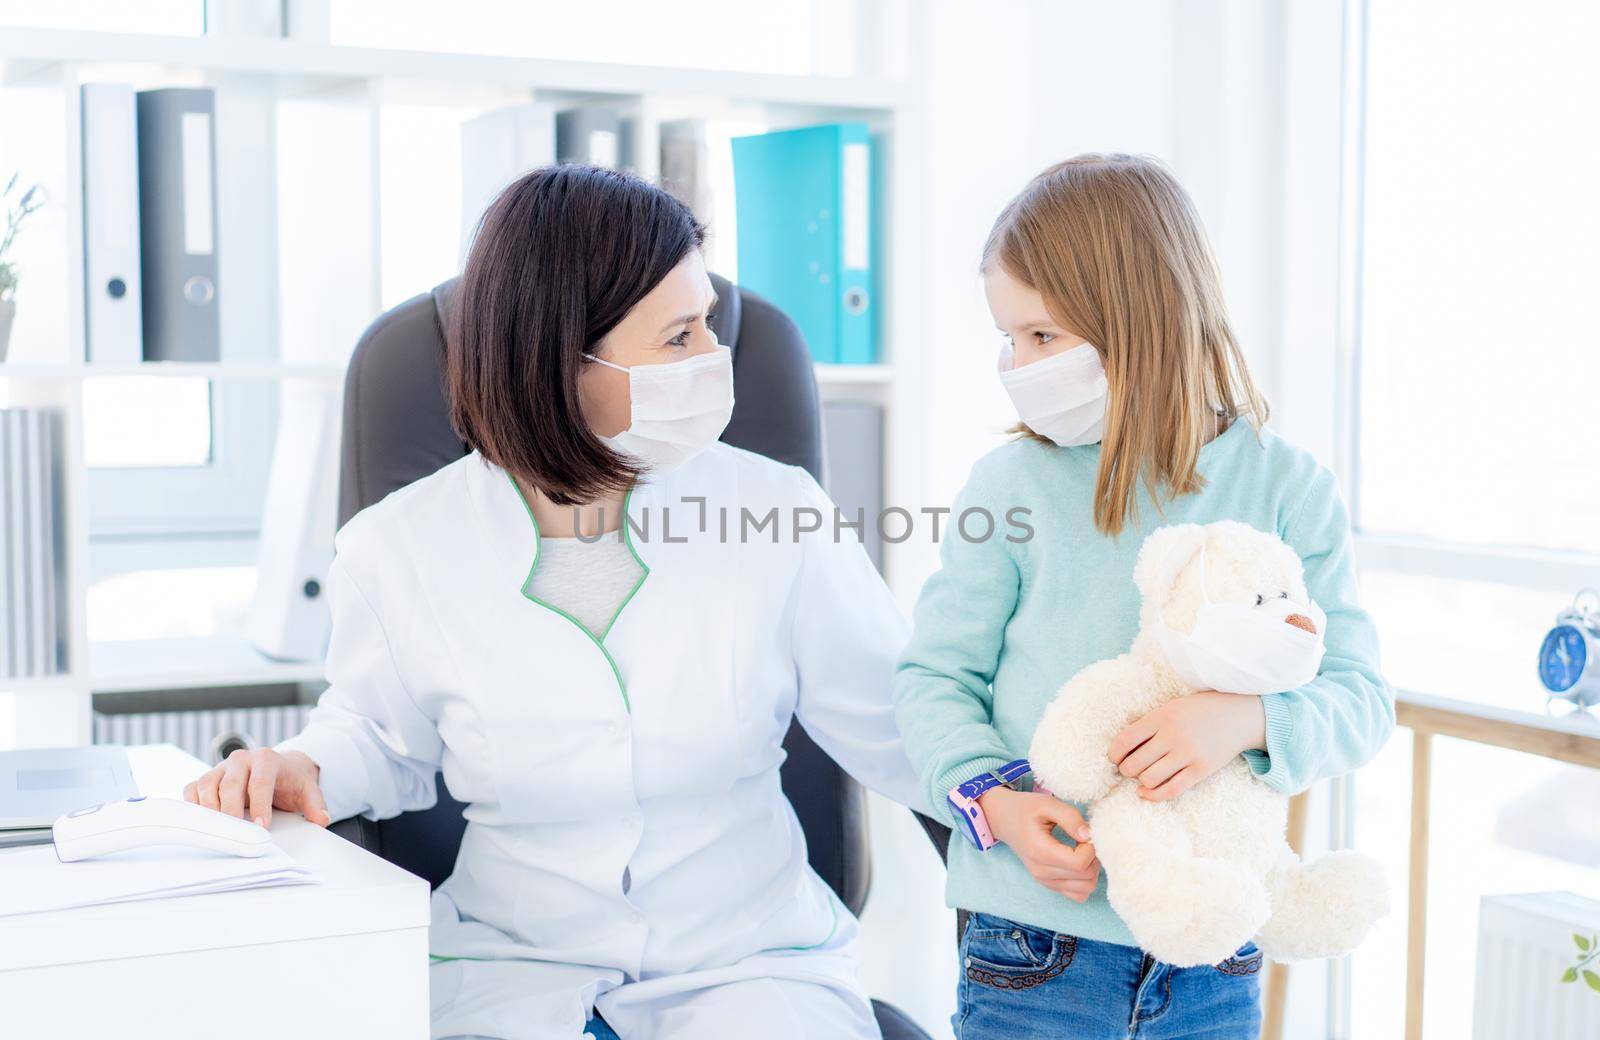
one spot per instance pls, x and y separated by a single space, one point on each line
611 708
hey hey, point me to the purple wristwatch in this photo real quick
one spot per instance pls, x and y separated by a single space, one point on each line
964 799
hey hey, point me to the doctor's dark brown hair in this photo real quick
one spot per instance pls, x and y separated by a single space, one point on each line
559 258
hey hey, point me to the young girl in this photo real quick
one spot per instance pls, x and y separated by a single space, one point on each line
1136 411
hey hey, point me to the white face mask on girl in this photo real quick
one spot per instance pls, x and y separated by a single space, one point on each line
678 408
1061 397
1241 648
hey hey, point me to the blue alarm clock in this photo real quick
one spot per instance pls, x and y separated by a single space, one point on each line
1569 660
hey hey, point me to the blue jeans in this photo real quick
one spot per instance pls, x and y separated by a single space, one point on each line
597 1028
1021 983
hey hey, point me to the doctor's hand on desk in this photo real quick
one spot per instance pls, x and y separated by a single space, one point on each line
250 784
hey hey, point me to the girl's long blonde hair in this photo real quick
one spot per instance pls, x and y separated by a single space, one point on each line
1114 246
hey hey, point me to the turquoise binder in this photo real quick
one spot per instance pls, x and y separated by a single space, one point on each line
805 220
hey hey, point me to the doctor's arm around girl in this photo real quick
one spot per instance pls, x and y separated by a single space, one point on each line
1137 413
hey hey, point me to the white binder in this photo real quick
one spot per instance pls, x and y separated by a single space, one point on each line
852 443
28 558
52 571
114 317
15 610
593 134
178 224
9 550
497 148
289 619
686 165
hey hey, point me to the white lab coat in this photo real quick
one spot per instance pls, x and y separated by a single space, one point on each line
628 846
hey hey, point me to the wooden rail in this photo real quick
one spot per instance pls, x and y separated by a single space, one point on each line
1574 738
1275 1000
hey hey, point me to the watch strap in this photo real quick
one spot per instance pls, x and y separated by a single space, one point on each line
963 799
1012 772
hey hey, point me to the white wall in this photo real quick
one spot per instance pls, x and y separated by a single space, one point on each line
1011 87
1018 84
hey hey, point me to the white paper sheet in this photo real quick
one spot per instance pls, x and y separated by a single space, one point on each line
33 880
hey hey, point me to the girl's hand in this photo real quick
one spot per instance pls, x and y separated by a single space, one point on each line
1025 820
250 783
1186 740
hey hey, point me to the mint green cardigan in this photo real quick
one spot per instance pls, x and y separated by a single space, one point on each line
1003 624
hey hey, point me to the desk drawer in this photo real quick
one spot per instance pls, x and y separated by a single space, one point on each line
341 987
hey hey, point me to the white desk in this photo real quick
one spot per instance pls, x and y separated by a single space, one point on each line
346 959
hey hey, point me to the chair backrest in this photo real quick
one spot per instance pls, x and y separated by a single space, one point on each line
397 430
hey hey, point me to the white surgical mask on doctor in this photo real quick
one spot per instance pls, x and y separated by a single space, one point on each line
1244 648
1062 397
679 408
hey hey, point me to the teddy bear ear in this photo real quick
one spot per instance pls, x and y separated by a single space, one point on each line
1164 555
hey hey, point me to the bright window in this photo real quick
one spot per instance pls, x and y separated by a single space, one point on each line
1480 370
1478 377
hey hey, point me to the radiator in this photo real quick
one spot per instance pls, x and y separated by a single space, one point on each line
207 735
1526 944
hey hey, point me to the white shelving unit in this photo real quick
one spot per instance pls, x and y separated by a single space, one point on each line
127 666
300 285
854 375
304 67
263 370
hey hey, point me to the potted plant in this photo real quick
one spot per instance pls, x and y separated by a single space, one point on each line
16 214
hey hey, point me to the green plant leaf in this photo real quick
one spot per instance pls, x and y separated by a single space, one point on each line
1583 944
1570 975
1592 979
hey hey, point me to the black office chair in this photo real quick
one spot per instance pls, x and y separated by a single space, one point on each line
397 430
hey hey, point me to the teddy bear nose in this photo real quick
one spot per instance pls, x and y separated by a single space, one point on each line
1302 622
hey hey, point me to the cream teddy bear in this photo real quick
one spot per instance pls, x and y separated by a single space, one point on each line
1224 607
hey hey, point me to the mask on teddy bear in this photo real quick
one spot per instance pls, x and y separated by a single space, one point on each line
1240 648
